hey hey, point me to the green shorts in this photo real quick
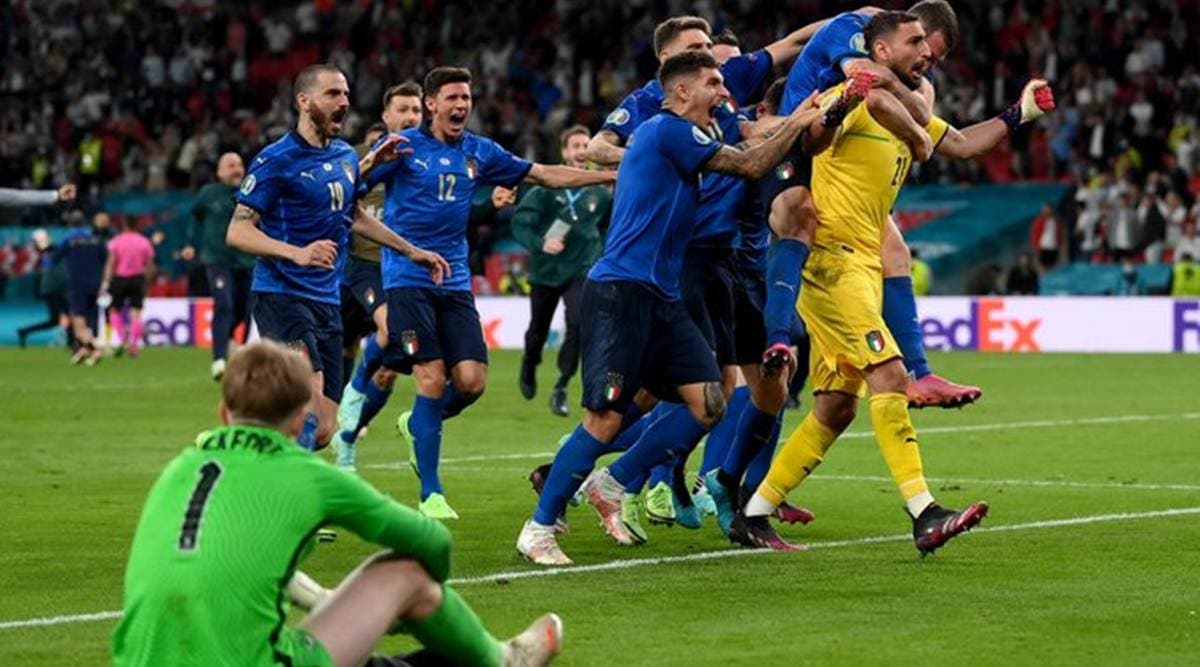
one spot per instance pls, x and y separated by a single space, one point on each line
303 648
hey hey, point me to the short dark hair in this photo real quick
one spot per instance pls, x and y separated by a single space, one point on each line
684 64
375 127
883 25
728 38
774 95
668 30
307 78
440 76
572 131
406 89
938 16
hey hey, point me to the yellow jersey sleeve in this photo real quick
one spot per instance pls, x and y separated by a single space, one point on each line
937 129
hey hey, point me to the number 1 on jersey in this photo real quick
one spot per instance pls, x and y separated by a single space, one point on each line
209 473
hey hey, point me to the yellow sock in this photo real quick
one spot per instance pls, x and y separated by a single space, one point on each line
803 452
898 443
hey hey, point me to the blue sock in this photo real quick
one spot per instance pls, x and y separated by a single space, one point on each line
377 397
572 464
633 430
785 263
453 403
426 427
900 315
372 360
308 432
721 438
659 474
754 432
675 433
761 463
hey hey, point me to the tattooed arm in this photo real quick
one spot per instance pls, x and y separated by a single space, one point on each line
755 160
244 234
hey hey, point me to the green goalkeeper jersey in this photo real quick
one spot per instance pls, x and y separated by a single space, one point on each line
221 535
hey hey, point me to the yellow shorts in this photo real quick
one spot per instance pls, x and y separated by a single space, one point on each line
841 304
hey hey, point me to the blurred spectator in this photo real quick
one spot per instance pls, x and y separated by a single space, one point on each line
1131 281
985 280
1022 277
1047 236
922 275
51 289
1123 226
1189 242
1154 226
1185 276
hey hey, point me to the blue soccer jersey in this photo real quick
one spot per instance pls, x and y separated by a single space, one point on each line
819 66
654 208
84 252
428 200
303 194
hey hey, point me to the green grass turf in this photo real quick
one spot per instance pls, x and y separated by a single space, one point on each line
82 446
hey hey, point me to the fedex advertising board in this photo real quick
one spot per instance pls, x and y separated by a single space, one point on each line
989 324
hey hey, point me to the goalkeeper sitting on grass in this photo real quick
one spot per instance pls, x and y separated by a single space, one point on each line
228 521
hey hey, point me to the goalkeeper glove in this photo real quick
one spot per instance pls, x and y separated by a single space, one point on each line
1036 99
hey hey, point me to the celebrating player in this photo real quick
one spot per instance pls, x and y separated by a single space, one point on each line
84 252
229 271
128 268
636 331
301 190
228 520
433 329
561 230
855 184
364 308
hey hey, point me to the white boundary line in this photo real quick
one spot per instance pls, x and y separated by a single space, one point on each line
1023 482
707 555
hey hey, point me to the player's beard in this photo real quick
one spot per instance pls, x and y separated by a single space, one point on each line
324 123
906 77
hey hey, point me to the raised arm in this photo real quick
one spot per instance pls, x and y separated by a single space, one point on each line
244 234
605 149
561 176
367 226
1036 99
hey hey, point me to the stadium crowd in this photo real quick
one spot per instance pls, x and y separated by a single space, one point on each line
112 98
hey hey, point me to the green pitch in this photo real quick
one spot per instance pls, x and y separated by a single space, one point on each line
1108 441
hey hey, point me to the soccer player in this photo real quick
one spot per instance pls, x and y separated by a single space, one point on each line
84 252
228 521
293 211
434 331
855 184
229 271
835 51
51 288
127 270
636 332
708 263
561 229
364 307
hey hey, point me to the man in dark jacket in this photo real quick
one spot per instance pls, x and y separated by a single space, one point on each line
561 229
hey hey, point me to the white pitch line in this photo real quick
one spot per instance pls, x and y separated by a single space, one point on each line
733 553
1023 482
1040 423
664 560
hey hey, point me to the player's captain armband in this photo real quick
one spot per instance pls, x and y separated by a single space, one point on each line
558 230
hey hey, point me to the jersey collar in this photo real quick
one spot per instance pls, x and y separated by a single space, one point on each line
429 133
229 430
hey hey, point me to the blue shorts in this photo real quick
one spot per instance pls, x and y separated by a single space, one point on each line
631 339
81 300
750 328
794 170
310 326
708 291
362 294
427 323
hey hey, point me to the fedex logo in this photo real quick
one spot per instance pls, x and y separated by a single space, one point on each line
985 328
1187 326
188 323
